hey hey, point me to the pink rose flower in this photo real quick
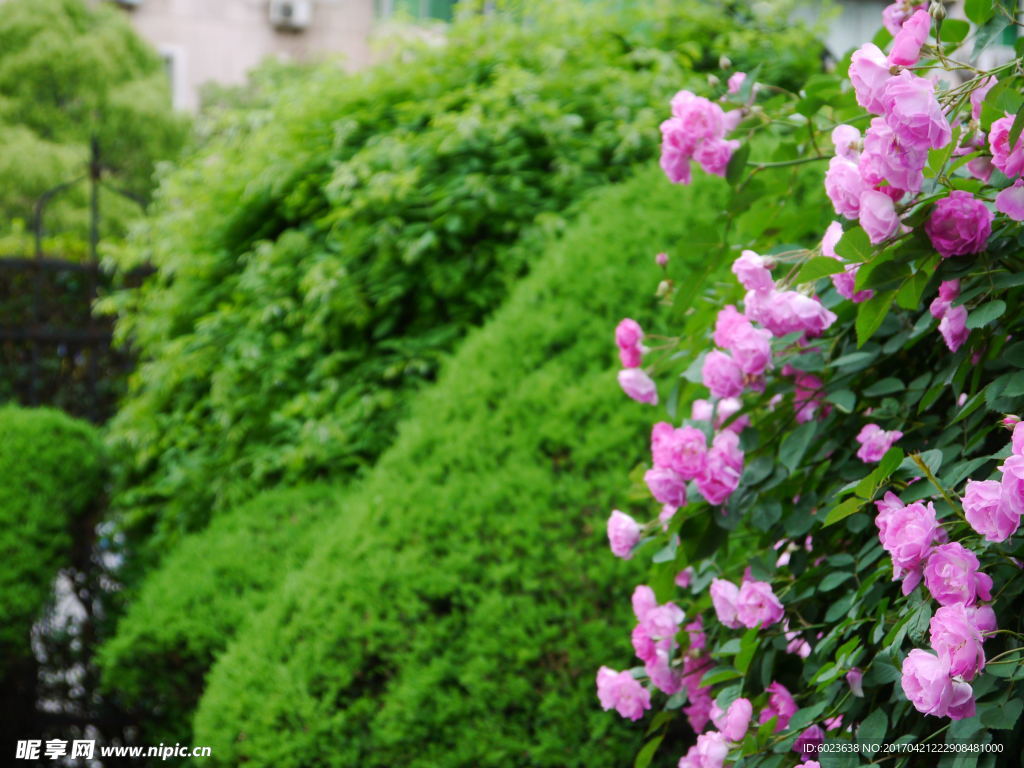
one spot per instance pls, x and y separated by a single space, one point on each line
906 47
927 684
733 723
869 72
676 151
757 605
662 443
714 155
981 168
628 335
710 751
809 398
978 96
829 241
666 486
736 81
846 140
907 534
878 216
661 259
701 119
1017 439
874 442
1013 483
809 742
719 413
959 224
957 640
780 705
844 186
751 349
987 512
949 290
886 159
683 580
638 385
643 601
913 113
953 327
894 16
728 324
1008 160
1011 201
665 677
725 596
623 534
722 472
752 272
722 375
620 691
783 312
855 679
688 452
952 576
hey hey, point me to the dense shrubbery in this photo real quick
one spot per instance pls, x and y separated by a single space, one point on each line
452 607
847 553
201 595
52 473
316 262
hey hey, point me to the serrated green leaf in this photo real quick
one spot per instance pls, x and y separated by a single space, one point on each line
855 245
873 728
909 294
818 267
1002 716
795 445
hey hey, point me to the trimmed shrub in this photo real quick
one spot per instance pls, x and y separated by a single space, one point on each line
203 592
51 473
317 261
455 607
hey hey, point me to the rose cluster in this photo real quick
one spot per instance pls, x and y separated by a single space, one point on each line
696 131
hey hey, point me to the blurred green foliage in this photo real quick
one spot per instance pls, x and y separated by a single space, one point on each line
52 472
69 71
453 609
319 256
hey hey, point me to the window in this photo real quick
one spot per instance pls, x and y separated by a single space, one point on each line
417 9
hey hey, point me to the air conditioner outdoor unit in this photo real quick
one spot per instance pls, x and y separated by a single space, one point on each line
292 15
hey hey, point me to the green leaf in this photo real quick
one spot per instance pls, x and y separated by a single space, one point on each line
986 314
978 11
1018 124
645 755
855 246
793 448
873 728
843 399
748 647
909 294
1001 716
886 386
833 580
953 30
842 511
818 267
871 314
737 164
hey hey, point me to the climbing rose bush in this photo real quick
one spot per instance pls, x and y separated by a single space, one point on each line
834 531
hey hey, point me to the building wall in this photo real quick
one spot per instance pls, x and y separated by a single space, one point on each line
221 40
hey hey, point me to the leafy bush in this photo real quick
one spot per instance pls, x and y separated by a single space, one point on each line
847 554
200 596
70 72
453 609
51 474
316 262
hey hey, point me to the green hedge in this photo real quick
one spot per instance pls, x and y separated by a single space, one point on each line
203 592
318 259
456 606
52 472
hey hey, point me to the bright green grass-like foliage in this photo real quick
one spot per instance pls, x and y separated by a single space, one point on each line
70 71
52 470
202 593
456 607
317 261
